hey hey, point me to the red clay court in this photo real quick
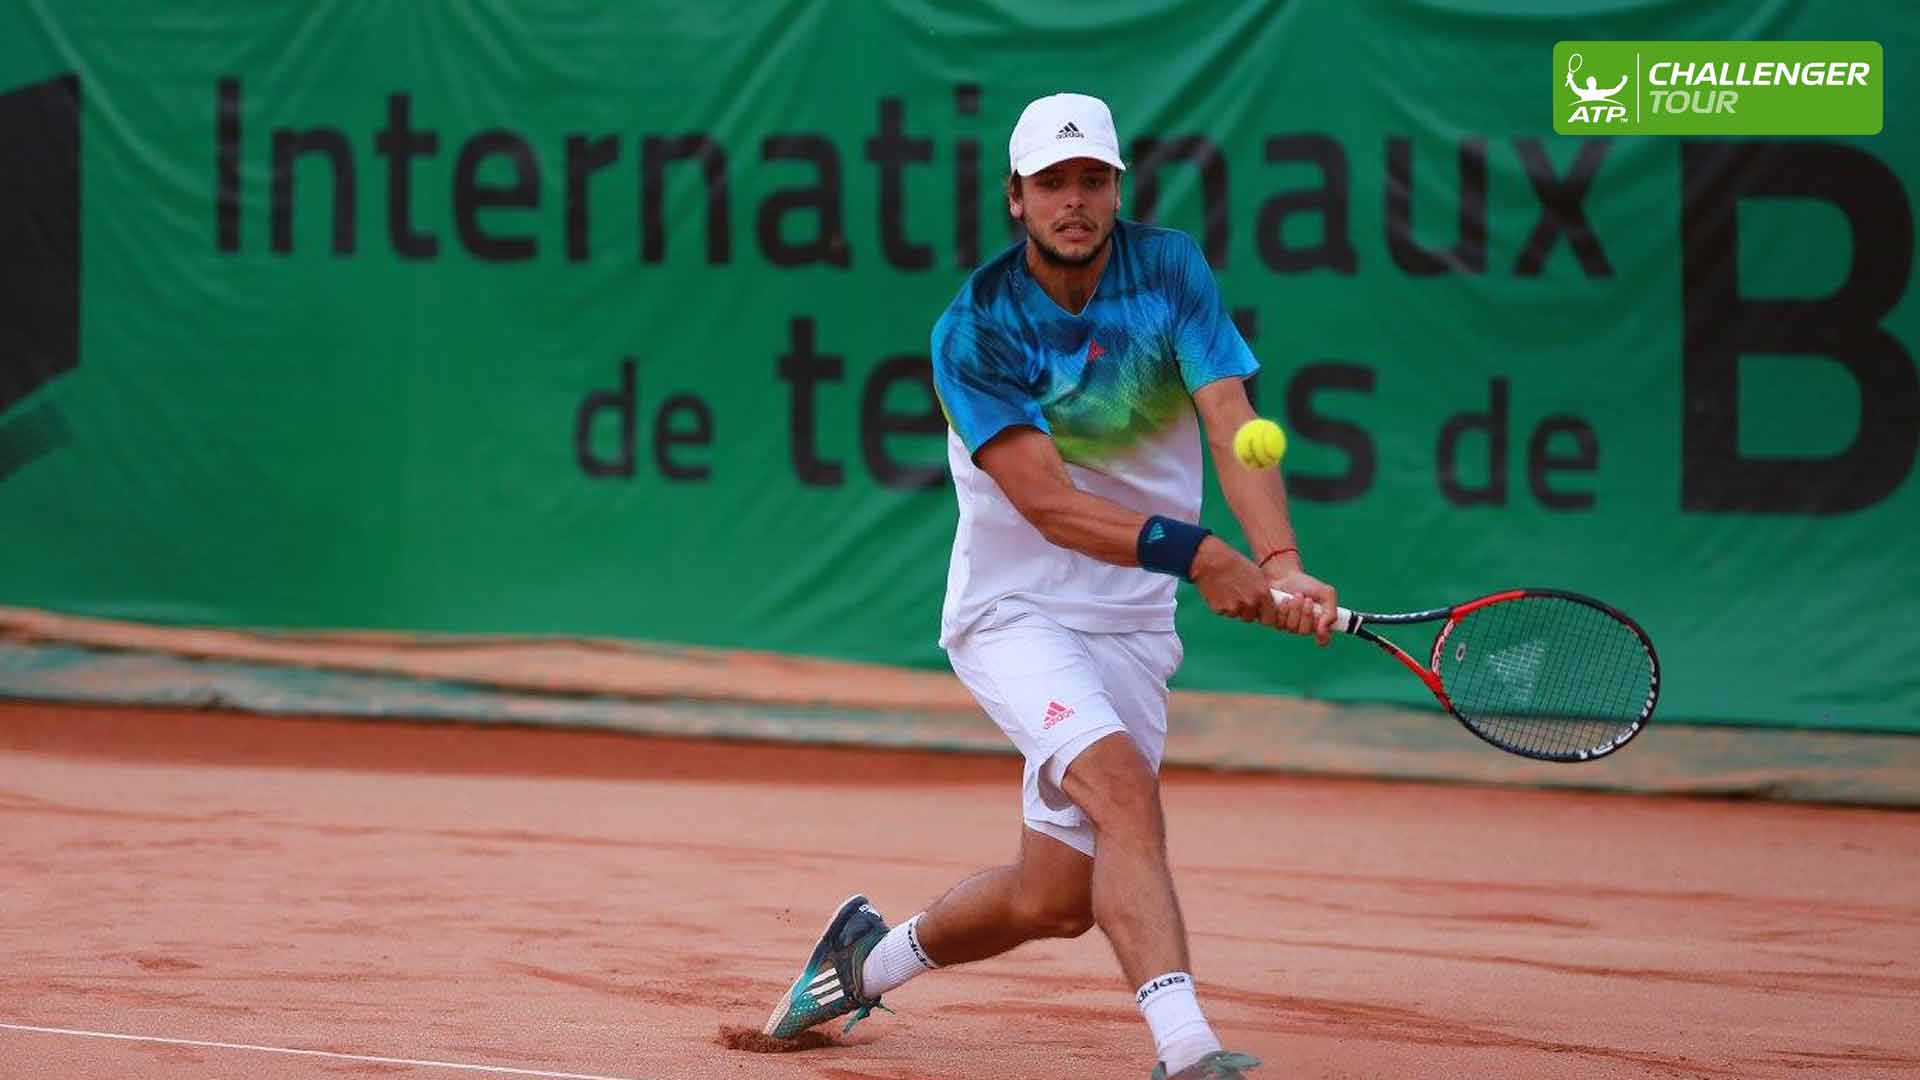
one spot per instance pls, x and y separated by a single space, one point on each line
411 900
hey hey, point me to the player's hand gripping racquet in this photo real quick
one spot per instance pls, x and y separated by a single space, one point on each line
1537 672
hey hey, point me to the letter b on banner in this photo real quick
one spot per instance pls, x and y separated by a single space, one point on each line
1843 328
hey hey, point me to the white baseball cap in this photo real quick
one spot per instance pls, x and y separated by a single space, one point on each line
1061 126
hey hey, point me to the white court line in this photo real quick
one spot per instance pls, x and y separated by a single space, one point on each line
307 1053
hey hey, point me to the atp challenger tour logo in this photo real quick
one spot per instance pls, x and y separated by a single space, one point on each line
1717 88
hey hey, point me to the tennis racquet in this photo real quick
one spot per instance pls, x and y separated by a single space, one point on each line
1542 673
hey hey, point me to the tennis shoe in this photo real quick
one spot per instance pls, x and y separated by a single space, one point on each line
829 984
1219 1065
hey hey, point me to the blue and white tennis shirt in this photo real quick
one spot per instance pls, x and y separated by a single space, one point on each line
1113 386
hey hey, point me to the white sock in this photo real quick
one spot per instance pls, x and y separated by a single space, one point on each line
1180 1033
896 959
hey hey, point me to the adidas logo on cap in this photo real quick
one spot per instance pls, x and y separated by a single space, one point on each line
1060 127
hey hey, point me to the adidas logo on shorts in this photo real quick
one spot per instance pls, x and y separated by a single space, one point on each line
1056 712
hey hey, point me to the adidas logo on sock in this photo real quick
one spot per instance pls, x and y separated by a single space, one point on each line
1070 132
1164 982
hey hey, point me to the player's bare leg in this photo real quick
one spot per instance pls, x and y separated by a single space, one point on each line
1055 891
1047 893
1133 898
1136 907
1052 891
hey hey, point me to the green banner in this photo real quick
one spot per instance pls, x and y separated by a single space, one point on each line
532 318
1718 88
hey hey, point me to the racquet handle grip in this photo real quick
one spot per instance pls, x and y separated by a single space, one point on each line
1342 617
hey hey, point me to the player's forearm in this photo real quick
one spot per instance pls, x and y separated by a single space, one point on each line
1259 500
1104 530
1095 527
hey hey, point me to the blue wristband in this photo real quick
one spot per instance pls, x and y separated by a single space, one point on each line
1166 546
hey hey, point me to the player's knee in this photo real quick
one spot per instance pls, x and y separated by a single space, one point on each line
1116 788
1132 808
1057 916
1072 925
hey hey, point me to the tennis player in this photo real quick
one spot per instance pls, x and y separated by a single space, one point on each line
1076 371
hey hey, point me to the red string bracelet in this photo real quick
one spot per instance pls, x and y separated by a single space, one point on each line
1277 551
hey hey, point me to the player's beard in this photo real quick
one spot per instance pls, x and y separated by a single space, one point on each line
1056 257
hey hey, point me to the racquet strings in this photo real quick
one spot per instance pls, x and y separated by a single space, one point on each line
1547 676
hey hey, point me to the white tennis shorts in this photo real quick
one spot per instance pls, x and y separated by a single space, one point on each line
1056 691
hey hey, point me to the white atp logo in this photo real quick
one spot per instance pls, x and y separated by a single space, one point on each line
1596 105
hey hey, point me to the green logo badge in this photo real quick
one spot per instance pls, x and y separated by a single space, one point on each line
1718 88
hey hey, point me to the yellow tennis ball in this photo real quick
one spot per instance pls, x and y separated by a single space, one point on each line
1259 444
